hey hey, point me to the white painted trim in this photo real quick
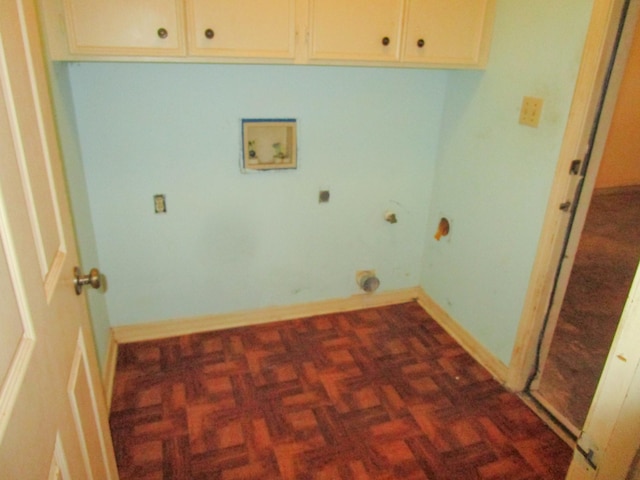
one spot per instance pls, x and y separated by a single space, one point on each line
109 373
478 351
186 326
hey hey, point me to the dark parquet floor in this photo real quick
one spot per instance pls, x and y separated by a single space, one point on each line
380 393
603 270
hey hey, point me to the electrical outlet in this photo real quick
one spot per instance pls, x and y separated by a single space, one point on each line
160 204
530 111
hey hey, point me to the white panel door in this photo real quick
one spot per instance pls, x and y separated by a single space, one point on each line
53 418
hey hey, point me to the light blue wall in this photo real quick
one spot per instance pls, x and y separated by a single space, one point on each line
79 199
424 143
493 176
233 241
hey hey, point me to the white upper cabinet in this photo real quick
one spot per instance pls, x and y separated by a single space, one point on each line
448 31
410 33
361 30
125 27
241 28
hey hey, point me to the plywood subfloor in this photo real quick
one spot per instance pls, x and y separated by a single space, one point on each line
375 394
604 268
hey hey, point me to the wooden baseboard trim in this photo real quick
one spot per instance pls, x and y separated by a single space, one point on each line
109 372
186 326
478 351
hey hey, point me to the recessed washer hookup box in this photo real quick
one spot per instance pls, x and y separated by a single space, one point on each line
269 144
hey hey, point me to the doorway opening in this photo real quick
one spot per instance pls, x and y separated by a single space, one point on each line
601 256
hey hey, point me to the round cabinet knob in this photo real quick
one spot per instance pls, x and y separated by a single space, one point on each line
209 33
162 33
420 43
385 41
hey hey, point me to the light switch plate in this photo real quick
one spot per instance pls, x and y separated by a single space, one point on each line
530 111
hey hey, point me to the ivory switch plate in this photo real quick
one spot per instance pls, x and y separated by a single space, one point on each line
530 111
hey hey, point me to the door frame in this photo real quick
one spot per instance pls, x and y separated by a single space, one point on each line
615 413
584 195
584 113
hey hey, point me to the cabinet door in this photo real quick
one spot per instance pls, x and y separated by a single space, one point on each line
241 28
125 27
448 31
367 30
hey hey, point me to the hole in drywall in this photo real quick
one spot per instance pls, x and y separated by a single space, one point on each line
367 280
443 229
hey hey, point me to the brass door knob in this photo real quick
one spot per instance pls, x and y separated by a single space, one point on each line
92 279
162 33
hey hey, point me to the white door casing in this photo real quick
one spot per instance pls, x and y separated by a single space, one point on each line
53 417
612 424
611 429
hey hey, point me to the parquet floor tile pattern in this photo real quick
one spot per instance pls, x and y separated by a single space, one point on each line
381 393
